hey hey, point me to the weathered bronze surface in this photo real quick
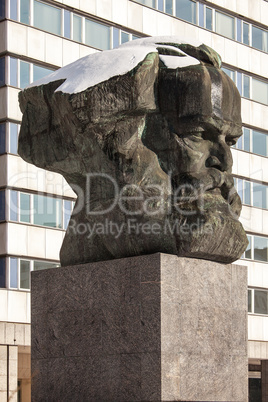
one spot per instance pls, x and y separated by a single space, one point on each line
148 154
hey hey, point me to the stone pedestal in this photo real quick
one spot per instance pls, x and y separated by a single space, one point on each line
149 328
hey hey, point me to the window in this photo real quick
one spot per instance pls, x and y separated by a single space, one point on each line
149 3
120 37
2 272
40 72
259 91
13 138
225 25
245 33
258 301
97 35
25 11
252 193
230 73
2 205
253 141
2 138
47 18
47 211
169 7
186 10
13 9
20 271
259 39
23 73
2 9
13 68
2 71
67 24
209 18
257 248
249 300
39 210
77 28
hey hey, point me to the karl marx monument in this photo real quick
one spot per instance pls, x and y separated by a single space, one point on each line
142 134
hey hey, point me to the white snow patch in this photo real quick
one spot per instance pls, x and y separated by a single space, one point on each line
99 67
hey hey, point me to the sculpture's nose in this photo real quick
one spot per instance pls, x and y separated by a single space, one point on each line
220 156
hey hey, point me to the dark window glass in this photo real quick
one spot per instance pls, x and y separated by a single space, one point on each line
39 265
259 39
186 10
169 7
40 72
13 72
249 301
13 138
13 205
2 138
2 9
259 196
67 24
259 141
2 205
13 272
2 71
248 250
254 385
24 74
97 35
260 248
25 11
246 91
246 137
47 17
77 28
24 274
2 272
14 9
260 302
245 33
115 37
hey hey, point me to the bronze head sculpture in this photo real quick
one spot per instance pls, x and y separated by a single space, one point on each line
146 147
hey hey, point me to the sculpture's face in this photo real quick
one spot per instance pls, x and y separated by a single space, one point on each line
193 138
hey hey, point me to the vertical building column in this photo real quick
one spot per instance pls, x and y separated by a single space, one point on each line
8 373
264 380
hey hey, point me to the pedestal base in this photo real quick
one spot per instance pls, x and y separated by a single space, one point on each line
149 328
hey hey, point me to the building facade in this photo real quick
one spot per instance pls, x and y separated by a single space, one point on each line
37 37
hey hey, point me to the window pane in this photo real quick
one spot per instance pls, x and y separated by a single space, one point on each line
24 274
13 138
25 208
169 7
39 265
246 198
259 91
2 205
67 24
24 74
259 195
238 30
2 9
260 302
239 143
77 28
208 18
240 188
224 25
248 250
160 5
245 33
47 17
25 11
13 72
13 9
2 138
246 86
40 72
149 3
67 212
47 211
124 37
13 272
259 143
2 71
259 39
115 37
2 272
249 301
260 248
97 35
246 137
13 205
230 73
186 10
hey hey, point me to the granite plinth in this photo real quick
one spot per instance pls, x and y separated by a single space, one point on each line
149 328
